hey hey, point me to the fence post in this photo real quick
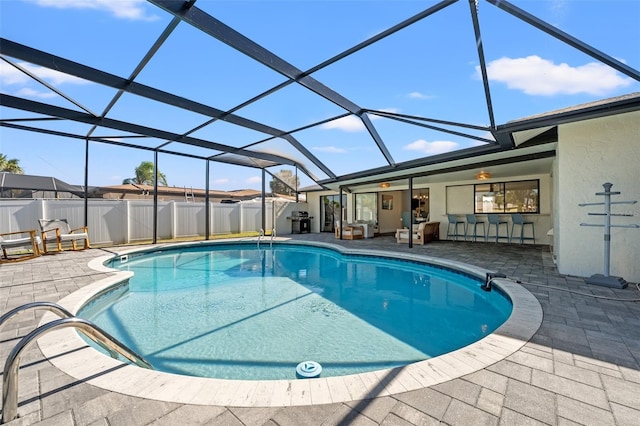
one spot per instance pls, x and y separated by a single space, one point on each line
127 221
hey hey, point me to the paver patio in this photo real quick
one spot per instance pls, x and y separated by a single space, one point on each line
581 367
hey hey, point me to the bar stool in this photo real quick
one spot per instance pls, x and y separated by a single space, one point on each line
494 219
473 220
518 219
454 221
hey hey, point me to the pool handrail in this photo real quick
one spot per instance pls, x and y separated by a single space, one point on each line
92 331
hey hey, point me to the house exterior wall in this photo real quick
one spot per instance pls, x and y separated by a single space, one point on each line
591 153
442 201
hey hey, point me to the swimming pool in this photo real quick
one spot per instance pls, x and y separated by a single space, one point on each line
70 353
236 312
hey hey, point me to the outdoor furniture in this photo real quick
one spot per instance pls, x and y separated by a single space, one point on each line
494 220
473 220
431 231
32 243
416 232
58 230
454 222
424 232
368 227
349 232
518 219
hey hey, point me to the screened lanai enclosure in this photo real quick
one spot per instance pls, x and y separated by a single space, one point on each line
346 94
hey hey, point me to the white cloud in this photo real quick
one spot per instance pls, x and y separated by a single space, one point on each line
127 9
350 123
220 181
330 149
26 92
418 95
254 179
536 76
431 148
11 75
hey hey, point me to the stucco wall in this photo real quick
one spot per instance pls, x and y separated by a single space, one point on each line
591 153
389 220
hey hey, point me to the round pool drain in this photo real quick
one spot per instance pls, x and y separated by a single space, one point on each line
308 370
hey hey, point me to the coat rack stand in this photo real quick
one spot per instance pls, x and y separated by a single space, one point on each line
605 279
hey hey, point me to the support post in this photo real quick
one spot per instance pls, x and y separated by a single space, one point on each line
410 212
264 203
155 197
207 206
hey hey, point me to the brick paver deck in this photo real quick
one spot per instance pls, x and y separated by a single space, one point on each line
581 367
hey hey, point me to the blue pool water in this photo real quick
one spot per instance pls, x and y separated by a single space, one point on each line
231 311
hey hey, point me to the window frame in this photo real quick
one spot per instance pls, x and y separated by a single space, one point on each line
374 208
502 193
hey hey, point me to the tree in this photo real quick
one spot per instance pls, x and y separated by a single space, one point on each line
289 178
145 175
10 166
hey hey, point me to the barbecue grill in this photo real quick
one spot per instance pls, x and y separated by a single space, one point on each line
300 222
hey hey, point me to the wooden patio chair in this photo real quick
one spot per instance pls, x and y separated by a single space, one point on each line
58 230
15 241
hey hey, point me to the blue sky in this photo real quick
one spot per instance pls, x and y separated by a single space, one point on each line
429 69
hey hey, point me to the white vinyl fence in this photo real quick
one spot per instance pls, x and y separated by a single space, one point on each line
130 221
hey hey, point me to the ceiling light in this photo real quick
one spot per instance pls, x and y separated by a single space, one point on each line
385 184
483 175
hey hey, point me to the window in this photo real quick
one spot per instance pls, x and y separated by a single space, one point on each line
367 207
508 197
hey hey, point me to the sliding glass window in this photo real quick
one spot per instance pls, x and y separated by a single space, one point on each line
507 197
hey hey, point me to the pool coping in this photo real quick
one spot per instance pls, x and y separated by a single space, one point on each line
69 353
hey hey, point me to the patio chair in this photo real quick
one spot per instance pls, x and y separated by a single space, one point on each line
349 232
416 232
58 230
32 242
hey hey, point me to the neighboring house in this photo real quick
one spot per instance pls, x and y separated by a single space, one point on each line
31 186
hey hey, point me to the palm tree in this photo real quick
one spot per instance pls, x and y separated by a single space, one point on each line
10 166
145 175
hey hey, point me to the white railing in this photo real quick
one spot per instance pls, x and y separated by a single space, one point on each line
130 221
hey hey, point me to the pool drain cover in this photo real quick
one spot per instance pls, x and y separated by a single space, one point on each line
308 369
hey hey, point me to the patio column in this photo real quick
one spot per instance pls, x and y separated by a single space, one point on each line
410 212
207 207
86 183
155 197
340 212
264 204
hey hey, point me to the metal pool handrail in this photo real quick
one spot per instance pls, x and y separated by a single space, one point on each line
48 306
92 331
